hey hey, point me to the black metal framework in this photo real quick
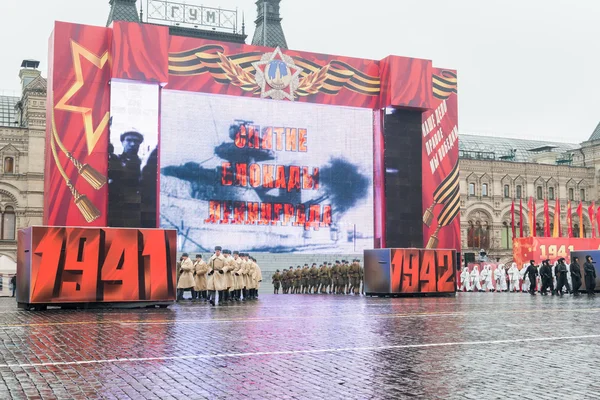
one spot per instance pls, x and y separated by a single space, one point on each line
166 12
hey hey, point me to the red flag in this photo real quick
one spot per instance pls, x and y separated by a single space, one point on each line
512 219
557 231
569 222
591 209
580 214
520 217
534 219
546 219
598 218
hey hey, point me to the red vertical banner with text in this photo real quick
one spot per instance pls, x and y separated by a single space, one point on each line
77 115
440 184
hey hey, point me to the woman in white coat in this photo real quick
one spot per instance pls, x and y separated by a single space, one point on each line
489 279
514 276
465 281
475 278
500 278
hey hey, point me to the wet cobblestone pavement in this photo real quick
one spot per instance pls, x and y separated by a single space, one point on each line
474 346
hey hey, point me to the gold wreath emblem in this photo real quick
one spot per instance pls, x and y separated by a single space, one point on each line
245 79
313 82
237 75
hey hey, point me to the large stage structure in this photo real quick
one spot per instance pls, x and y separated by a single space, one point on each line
249 147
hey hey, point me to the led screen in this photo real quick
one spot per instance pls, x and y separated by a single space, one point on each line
263 175
132 154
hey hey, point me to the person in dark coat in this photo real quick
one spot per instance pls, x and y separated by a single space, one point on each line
561 277
590 275
13 282
532 273
575 275
546 277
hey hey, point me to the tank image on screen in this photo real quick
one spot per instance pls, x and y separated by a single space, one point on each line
265 175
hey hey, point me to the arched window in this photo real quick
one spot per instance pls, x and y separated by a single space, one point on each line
478 232
506 191
540 194
571 194
582 194
9 165
471 189
519 192
551 193
8 223
484 190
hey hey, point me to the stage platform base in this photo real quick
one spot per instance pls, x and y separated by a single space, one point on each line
96 306
412 295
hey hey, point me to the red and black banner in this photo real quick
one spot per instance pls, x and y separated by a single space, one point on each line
85 60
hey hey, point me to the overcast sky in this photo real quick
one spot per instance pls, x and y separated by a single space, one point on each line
527 68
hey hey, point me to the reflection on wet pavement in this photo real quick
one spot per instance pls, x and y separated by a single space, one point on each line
308 347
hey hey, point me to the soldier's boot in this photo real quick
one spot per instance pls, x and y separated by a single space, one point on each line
179 294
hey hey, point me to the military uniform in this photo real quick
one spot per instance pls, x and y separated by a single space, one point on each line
323 274
362 278
216 275
298 280
254 277
343 273
276 281
292 275
250 286
200 277
335 276
354 275
228 277
238 279
305 278
284 279
257 277
291 280
244 275
314 279
186 277
347 278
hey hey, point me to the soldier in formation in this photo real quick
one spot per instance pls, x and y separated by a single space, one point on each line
276 282
341 277
226 277
531 278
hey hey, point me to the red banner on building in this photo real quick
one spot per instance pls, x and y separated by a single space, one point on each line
440 182
538 249
77 126
84 60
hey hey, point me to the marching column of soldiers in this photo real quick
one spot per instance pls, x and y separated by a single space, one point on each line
342 277
227 277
